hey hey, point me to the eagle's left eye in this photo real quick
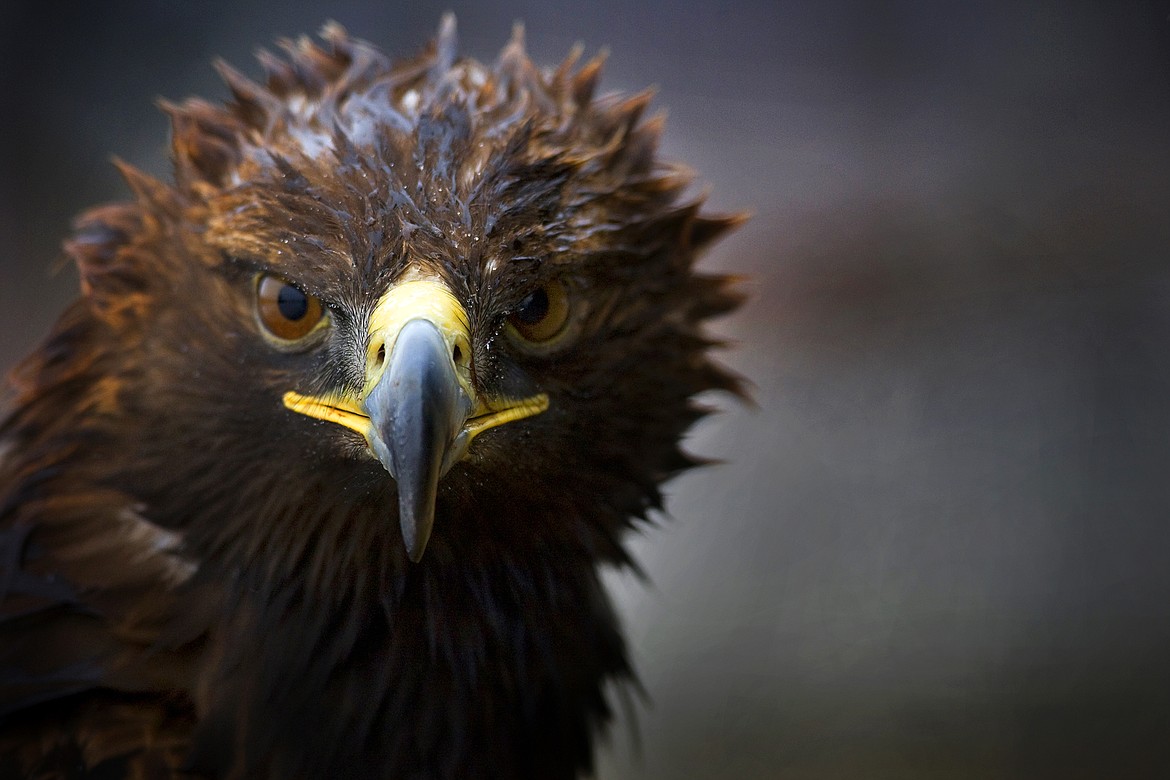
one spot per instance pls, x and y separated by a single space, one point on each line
542 315
285 310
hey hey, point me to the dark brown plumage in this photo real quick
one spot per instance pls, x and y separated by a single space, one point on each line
201 566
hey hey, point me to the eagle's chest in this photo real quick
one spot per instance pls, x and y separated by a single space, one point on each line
449 677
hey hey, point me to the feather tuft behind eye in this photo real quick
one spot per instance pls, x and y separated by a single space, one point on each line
541 316
285 310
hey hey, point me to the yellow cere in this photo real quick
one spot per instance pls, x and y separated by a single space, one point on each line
431 300
418 299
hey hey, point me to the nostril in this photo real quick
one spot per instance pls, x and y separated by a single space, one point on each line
457 354
381 358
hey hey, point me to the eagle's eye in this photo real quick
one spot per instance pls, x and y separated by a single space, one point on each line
285 310
542 315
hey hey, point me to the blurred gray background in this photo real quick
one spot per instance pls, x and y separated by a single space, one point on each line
939 545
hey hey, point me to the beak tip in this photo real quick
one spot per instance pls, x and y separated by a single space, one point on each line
415 544
416 523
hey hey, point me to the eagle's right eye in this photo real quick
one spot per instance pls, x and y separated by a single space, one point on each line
285 310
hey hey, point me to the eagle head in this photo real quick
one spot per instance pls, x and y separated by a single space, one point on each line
372 386
407 287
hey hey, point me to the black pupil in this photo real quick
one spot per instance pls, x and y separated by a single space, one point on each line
534 308
293 303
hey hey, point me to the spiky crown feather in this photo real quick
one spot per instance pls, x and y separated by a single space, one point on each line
445 130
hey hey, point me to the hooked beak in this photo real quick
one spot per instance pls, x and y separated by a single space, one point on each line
418 411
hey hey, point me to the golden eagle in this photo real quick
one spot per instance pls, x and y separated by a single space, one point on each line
315 478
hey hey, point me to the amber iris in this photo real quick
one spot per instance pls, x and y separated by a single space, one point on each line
542 315
286 311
